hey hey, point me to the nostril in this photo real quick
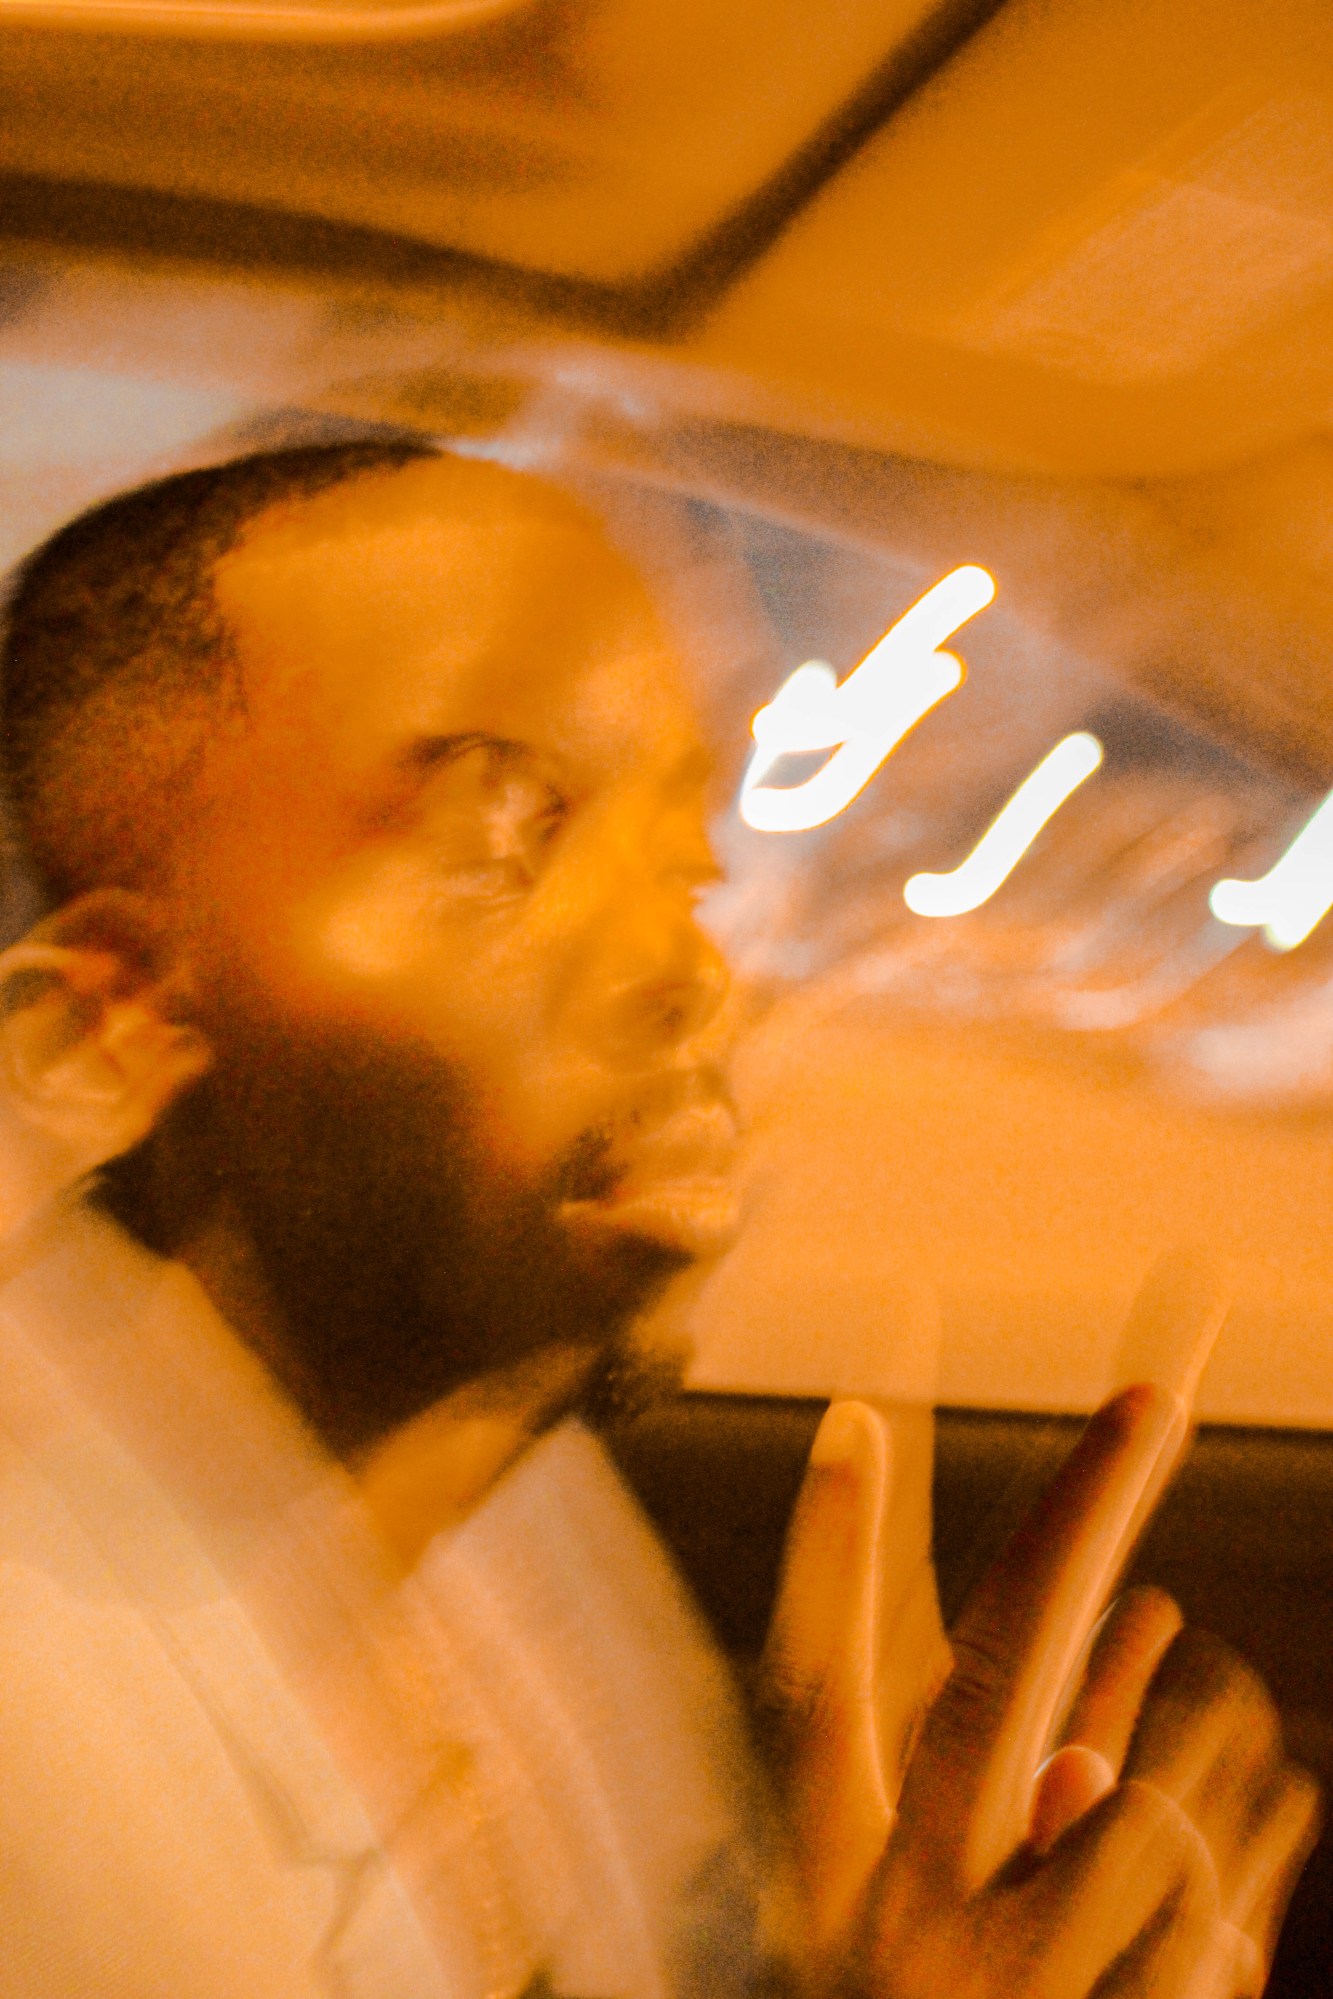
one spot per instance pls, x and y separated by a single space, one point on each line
644 1020
677 1010
666 998
676 1020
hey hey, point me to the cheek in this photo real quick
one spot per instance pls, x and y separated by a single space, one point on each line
378 942
376 929
489 989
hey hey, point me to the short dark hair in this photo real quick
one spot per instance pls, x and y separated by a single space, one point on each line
120 603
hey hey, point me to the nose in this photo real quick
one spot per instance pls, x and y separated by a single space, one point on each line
661 986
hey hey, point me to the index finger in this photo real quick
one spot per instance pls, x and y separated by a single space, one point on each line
1024 1631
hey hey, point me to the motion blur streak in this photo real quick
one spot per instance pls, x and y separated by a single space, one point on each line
1295 894
1010 834
864 719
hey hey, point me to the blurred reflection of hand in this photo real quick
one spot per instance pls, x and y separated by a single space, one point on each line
1155 1851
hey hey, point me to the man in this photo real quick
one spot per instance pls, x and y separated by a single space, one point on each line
372 811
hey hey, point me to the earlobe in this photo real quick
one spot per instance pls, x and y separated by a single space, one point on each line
92 1050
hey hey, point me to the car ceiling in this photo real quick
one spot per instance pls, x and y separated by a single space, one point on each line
861 292
1089 247
605 144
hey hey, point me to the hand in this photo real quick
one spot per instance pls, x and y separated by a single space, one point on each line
1156 1852
1179 1711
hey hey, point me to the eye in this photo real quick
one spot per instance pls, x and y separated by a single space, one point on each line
492 813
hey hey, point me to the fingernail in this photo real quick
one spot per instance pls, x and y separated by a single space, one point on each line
1151 1407
841 1434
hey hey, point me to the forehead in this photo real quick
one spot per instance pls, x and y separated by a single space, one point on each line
441 601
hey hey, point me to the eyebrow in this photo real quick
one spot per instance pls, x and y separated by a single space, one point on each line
416 762
421 756
402 780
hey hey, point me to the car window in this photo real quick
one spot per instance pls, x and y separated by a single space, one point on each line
1011 1108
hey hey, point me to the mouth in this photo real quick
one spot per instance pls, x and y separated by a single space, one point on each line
674 1184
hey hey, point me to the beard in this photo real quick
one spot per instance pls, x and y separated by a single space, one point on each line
403 1260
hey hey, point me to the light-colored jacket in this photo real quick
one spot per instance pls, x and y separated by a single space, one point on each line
239 1759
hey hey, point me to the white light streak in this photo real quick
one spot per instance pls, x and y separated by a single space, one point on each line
1295 894
1010 834
864 719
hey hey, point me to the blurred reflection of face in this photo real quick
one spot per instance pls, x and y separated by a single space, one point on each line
442 914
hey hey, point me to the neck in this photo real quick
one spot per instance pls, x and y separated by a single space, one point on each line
428 1474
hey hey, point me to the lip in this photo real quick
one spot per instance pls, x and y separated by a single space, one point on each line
676 1186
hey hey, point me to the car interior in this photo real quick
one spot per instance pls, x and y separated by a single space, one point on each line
827 305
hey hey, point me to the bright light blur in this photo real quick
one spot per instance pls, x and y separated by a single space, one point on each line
1010 834
1295 894
864 719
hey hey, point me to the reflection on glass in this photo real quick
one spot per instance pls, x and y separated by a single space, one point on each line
1295 894
866 717
1010 834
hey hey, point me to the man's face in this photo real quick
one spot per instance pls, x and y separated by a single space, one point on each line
442 917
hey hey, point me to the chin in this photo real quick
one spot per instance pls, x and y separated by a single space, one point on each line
632 1377
648 1358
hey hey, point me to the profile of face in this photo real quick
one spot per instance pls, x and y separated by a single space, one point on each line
438 914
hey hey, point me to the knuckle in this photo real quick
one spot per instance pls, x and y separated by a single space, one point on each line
1201 1676
1168 1834
1138 1829
1297 1806
980 1651
1305 1792
1249 1965
1138 1805
1203 1658
793 1718
980 1670
783 1692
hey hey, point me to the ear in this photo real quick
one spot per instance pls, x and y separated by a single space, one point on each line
93 1045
